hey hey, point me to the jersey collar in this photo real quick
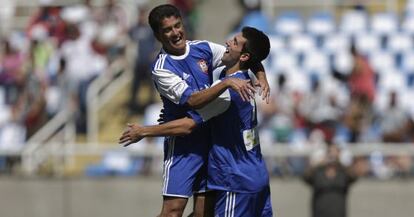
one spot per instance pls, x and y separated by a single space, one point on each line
187 51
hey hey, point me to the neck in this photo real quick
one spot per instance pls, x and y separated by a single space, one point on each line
175 52
234 68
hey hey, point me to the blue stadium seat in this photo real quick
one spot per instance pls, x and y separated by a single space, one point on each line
399 42
410 81
407 25
276 43
354 21
336 42
289 23
321 23
382 62
257 20
384 23
343 62
302 43
392 80
316 62
407 63
283 60
297 80
368 42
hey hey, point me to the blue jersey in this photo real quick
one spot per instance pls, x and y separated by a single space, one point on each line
235 160
176 78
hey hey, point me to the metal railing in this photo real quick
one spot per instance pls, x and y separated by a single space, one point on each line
101 91
62 154
60 130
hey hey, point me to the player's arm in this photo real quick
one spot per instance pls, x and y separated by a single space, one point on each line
200 99
135 132
261 82
174 88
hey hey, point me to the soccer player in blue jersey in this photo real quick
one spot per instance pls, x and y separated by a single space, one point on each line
181 73
236 169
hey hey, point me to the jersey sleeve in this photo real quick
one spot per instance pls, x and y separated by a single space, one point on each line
171 86
218 51
216 107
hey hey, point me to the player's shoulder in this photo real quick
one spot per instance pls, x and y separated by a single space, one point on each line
199 44
159 62
163 61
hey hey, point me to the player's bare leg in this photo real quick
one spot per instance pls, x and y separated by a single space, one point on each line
173 206
204 204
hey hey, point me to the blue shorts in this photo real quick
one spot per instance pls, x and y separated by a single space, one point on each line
185 168
231 204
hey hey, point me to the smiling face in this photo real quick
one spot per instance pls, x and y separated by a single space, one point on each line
172 36
234 49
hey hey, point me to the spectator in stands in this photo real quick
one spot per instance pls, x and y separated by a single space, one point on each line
395 128
49 18
321 111
31 104
83 65
394 120
279 113
141 34
361 84
330 181
11 71
113 24
41 51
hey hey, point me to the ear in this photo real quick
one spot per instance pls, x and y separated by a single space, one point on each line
244 57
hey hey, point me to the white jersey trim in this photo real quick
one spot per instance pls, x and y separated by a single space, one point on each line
230 204
167 164
218 52
176 195
181 57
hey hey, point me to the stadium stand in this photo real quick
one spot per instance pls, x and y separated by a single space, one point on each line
306 50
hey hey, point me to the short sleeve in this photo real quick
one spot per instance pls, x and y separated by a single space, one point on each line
218 51
171 86
217 106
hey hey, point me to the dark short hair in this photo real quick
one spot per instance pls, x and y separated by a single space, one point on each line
161 12
257 44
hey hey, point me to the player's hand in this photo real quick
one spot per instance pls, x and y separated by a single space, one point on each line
264 88
131 134
243 87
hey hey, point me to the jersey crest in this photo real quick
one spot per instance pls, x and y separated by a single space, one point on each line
203 65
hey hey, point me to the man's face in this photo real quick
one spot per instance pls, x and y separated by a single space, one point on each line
172 35
234 48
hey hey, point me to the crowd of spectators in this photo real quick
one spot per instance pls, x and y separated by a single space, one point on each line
47 67
339 81
342 82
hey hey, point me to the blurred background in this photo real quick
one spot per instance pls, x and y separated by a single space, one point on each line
73 73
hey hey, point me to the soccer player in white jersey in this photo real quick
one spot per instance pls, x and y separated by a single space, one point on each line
181 73
236 170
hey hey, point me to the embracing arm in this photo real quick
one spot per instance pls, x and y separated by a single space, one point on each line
261 82
199 99
135 132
